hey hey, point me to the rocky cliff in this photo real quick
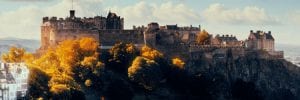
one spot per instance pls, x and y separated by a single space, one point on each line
249 77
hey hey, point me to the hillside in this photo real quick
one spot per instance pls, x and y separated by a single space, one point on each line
73 71
29 44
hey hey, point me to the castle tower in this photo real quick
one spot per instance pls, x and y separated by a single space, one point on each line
150 34
72 13
114 22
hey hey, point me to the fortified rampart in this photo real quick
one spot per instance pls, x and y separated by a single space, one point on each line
172 40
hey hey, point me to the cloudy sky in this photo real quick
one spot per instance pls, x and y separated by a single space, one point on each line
22 18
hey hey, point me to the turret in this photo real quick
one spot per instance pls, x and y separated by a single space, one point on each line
153 26
72 13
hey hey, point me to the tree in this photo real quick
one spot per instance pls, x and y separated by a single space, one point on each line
150 53
202 37
118 89
121 56
15 55
62 86
145 72
48 62
38 84
178 63
70 60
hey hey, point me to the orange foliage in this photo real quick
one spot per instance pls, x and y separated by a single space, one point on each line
178 63
150 53
60 62
88 82
202 37
16 55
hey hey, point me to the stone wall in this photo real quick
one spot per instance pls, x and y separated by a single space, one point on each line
111 37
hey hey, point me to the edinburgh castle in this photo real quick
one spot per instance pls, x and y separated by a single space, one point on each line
187 42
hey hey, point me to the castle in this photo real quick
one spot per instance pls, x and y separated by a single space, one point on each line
175 40
108 30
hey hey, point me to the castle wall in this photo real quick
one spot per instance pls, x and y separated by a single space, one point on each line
111 37
58 36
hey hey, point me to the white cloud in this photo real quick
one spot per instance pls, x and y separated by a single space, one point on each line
294 18
142 13
218 13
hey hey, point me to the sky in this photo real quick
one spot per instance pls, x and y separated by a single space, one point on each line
23 18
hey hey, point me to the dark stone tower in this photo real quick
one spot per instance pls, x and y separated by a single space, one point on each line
72 13
114 22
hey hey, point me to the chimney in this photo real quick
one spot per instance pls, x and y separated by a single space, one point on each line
269 32
72 13
251 31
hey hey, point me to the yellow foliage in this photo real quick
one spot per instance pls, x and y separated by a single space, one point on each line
59 88
66 55
130 48
145 72
138 63
49 63
178 63
150 53
68 52
88 46
89 61
15 55
202 37
88 82
62 82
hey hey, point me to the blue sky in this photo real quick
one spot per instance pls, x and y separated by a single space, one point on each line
22 18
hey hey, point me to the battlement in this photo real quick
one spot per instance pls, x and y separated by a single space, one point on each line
112 21
177 28
173 39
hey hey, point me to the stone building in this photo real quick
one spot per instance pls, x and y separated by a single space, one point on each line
13 81
170 34
171 39
114 22
260 41
107 30
227 40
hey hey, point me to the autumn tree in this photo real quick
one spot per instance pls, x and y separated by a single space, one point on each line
121 56
49 63
177 76
145 72
16 55
70 61
38 84
178 63
64 87
150 53
202 37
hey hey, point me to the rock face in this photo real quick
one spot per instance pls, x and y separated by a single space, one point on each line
249 77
